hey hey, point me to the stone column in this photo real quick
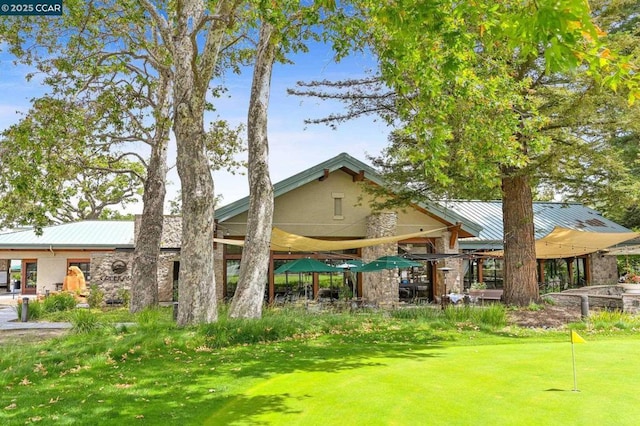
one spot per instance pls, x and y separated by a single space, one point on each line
381 287
604 269
171 239
451 281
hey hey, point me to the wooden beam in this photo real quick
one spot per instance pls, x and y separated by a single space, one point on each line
272 281
454 235
570 270
359 177
325 175
587 268
541 270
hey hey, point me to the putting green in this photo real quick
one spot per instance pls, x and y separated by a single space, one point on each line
509 384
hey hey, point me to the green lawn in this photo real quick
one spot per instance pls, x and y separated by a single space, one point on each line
327 369
504 383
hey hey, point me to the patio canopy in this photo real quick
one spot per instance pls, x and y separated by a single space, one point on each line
284 241
564 242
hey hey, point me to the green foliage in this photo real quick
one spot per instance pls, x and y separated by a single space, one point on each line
67 379
498 99
478 286
125 296
35 310
154 319
85 321
59 302
492 316
52 177
487 317
95 299
607 320
535 307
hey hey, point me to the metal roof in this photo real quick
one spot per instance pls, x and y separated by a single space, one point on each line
546 216
86 234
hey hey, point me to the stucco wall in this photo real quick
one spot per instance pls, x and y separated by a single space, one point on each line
309 210
51 265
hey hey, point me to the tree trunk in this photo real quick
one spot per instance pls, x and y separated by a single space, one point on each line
520 279
144 288
197 301
249 297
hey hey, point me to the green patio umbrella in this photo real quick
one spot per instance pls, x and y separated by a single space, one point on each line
305 265
388 262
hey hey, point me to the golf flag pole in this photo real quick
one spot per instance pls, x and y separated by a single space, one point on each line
575 338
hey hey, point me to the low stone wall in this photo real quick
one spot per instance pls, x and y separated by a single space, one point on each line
631 303
600 297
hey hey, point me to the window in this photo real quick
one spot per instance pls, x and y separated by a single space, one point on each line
337 205
83 264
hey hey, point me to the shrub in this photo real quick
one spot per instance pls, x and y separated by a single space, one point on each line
85 321
603 320
478 286
34 311
125 296
96 297
492 316
59 302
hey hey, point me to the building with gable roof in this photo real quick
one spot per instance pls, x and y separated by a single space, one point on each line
326 202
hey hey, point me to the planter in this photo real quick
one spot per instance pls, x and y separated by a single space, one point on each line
630 288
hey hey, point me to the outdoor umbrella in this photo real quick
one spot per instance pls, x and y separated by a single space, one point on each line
388 262
305 265
353 265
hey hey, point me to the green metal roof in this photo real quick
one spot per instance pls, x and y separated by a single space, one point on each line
350 164
86 234
546 216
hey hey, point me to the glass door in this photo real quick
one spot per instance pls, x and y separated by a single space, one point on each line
29 276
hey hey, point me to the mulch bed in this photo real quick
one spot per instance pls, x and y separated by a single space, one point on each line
549 316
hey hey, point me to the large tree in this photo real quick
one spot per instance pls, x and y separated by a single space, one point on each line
167 53
496 95
194 32
282 31
249 296
111 74
49 176
494 99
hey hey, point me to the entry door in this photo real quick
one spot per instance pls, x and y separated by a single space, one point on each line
29 276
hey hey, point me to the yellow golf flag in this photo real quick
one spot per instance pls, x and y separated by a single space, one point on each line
576 338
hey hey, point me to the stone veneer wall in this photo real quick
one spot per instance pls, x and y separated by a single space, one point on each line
604 269
380 287
104 276
171 239
600 297
452 280
111 282
631 303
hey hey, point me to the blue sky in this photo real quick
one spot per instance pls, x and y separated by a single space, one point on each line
294 146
